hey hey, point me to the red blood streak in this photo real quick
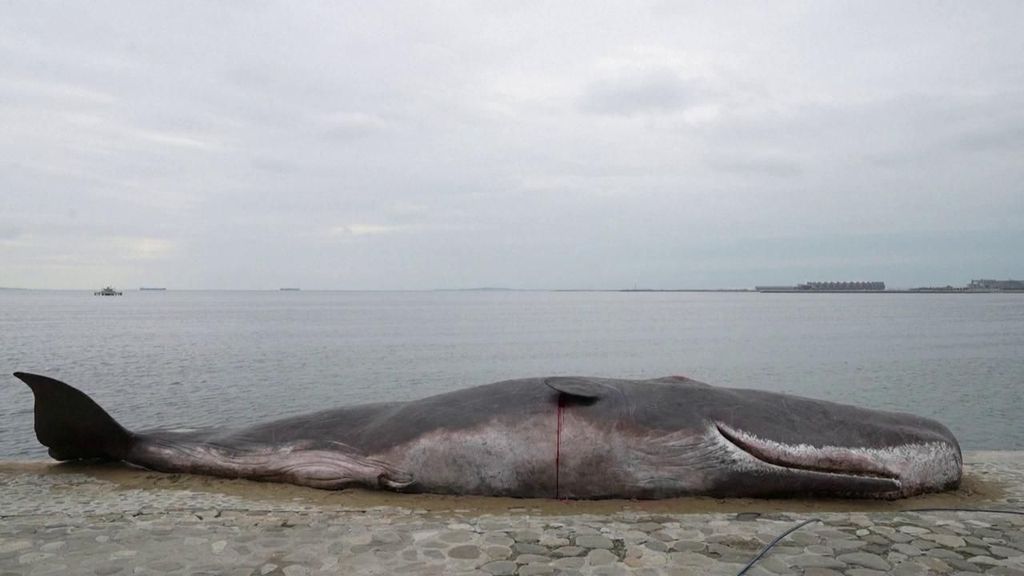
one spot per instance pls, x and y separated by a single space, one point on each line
558 441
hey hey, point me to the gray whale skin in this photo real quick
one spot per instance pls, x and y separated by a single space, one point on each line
560 437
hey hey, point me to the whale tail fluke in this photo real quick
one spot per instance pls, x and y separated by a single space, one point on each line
72 425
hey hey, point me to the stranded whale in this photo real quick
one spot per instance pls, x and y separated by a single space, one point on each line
560 437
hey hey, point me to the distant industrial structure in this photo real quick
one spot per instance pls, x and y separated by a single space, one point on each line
996 285
976 286
843 286
826 287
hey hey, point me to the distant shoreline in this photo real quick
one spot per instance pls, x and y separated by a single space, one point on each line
623 290
898 291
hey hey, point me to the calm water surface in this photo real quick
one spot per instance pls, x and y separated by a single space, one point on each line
233 358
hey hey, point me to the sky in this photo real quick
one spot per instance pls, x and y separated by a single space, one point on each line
425 145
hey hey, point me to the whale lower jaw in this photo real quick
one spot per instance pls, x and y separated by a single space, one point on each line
890 472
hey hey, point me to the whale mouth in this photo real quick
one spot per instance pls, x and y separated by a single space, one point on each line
830 461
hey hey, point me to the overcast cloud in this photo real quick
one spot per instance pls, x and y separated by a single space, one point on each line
522 144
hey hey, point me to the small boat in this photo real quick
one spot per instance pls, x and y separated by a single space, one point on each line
108 291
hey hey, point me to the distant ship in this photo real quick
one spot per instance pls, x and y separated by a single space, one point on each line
289 289
108 291
148 288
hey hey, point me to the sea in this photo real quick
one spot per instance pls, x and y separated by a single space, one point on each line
191 359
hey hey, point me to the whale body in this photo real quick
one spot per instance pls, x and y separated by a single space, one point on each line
557 437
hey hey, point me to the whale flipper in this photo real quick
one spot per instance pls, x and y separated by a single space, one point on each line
72 425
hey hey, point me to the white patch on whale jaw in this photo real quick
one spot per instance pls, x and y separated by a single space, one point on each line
915 468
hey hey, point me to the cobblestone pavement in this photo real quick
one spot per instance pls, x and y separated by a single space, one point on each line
76 523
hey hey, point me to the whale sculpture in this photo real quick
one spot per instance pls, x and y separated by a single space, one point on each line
559 437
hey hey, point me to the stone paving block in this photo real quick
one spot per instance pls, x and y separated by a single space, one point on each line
866 560
593 541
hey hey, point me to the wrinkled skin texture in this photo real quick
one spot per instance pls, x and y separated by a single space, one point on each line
569 438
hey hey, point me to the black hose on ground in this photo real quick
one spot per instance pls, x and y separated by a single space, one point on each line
773 543
806 522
